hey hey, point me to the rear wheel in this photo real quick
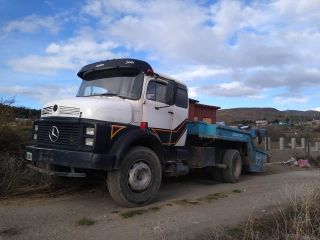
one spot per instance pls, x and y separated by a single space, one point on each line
232 159
138 179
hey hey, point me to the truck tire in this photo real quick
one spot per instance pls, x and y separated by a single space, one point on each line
138 180
232 159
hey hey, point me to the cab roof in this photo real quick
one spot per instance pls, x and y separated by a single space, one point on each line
126 63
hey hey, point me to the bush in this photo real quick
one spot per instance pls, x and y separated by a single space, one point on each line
15 178
11 141
297 220
10 172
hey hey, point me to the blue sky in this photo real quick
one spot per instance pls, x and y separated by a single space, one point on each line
229 53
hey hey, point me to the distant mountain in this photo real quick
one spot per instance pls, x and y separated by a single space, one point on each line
233 115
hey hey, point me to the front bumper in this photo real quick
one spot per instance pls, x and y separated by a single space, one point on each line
68 158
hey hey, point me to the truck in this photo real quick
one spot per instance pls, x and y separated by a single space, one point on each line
130 125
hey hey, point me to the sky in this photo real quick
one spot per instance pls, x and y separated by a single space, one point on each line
229 53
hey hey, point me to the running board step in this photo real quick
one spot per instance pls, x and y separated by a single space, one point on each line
57 174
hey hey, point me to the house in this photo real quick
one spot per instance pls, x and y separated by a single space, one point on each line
202 112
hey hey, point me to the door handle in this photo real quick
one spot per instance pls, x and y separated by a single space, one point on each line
170 112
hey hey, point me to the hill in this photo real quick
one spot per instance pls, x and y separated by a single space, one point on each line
234 115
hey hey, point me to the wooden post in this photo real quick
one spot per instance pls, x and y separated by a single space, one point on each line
281 143
293 143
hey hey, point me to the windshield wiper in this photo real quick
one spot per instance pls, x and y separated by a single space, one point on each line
106 94
112 94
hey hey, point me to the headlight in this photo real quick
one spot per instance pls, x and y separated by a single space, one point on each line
35 136
90 131
36 127
89 141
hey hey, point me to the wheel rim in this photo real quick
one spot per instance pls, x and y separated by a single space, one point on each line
139 177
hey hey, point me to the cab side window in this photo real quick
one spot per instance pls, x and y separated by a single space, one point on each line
181 98
156 91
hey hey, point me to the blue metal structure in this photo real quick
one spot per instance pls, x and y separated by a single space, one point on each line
256 157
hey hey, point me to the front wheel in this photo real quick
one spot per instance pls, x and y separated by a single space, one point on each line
138 179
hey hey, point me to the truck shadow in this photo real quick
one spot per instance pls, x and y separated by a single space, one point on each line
172 188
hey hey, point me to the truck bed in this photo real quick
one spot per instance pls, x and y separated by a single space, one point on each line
256 157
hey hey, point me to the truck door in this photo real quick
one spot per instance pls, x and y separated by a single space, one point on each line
180 115
156 112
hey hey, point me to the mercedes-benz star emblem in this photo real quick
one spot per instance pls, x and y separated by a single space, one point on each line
54 134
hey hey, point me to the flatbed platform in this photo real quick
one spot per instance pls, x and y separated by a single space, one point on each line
256 156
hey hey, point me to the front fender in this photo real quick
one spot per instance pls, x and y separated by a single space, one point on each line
136 137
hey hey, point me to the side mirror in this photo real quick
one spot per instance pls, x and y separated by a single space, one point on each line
170 93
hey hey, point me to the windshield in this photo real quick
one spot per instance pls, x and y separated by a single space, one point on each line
109 85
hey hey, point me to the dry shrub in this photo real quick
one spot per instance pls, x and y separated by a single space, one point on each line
300 219
16 178
11 140
10 172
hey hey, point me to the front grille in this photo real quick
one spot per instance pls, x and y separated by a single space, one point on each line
69 111
69 134
46 110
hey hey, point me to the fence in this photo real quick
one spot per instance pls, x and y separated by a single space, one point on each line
286 148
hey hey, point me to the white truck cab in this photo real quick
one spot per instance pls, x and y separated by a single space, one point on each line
122 108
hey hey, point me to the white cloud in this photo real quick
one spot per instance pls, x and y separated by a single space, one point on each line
41 64
41 93
230 89
290 100
33 23
226 15
189 32
70 55
192 92
200 72
294 78
298 7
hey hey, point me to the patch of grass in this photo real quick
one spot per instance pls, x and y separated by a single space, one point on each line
85 222
154 208
135 212
184 202
236 191
132 213
235 232
12 231
215 196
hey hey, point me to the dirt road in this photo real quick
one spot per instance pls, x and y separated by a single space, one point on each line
185 209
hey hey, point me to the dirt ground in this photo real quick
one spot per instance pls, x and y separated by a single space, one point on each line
191 207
